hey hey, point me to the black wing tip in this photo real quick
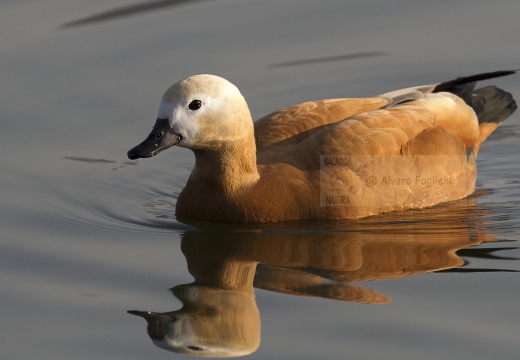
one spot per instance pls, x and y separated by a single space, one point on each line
455 84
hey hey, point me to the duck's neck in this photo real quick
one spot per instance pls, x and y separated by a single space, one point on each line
228 166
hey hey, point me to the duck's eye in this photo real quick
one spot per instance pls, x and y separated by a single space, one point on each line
195 105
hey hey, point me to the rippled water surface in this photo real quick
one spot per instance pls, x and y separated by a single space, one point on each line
89 242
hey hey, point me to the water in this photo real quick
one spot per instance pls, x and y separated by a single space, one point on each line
88 235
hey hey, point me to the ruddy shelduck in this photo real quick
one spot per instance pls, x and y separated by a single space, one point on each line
342 158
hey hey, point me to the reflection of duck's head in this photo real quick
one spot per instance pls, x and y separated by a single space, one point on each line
212 323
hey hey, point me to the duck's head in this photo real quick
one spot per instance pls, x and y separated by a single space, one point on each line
200 112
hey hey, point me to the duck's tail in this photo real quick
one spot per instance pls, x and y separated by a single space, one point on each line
491 104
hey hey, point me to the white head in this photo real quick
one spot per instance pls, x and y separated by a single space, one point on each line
199 112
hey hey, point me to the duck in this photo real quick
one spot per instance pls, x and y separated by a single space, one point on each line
343 158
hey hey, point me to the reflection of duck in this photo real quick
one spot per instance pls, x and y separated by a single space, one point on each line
392 148
219 316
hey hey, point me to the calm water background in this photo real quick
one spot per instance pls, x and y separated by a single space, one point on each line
87 235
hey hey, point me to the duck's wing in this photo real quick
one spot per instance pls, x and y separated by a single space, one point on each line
386 125
431 125
293 124
453 106
391 130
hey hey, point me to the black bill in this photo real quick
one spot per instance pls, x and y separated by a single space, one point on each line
161 138
158 324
